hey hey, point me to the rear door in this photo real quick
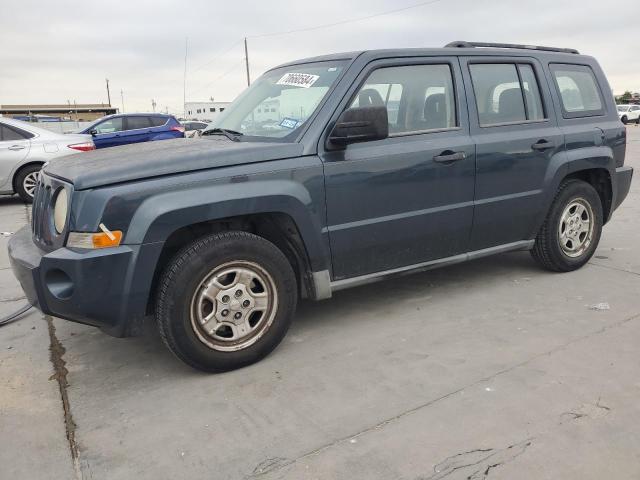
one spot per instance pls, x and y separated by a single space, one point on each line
14 147
137 129
406 199
517 141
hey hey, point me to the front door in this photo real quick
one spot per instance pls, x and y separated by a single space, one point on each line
406 199
14 147
517 144
109 133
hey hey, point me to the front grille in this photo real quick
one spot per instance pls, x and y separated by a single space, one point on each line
42 228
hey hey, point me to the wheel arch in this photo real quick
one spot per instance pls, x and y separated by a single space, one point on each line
277 227
19 168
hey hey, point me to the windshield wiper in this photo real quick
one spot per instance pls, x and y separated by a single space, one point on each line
230 134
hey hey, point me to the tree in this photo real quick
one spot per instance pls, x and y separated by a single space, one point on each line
625 97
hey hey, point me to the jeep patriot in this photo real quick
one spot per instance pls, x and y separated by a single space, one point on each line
328 173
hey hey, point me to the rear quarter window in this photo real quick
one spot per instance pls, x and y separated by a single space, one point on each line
579 91
158 121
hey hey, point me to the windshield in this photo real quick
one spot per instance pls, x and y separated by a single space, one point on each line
280 102
623 108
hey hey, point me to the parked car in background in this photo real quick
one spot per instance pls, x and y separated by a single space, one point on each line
24 148
122 129
629 113
193 129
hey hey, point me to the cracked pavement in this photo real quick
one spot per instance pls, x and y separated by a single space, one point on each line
490 369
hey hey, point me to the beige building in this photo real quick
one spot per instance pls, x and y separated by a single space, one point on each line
76 112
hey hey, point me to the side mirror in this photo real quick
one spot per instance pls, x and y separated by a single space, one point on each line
360 124
93 132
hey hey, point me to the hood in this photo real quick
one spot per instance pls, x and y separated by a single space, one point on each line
152 159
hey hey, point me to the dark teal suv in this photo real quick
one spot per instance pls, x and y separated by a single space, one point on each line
328 173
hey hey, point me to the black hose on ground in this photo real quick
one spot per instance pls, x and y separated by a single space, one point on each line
12 317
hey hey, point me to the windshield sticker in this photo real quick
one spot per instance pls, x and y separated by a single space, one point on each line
304 80
289 123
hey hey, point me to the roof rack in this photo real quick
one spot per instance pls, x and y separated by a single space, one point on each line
463 44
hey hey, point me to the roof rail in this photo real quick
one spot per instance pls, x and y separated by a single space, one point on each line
463 44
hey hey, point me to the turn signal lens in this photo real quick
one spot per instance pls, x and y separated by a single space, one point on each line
94 240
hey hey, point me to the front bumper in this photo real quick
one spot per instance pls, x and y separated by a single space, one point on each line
104 288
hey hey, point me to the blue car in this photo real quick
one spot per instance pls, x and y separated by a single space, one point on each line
122 129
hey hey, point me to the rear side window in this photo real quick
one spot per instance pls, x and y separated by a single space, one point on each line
417 97
158 121
506 93
578 90
134 123
8 134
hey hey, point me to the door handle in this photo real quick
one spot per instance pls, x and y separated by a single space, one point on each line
542 145
449 156
17 147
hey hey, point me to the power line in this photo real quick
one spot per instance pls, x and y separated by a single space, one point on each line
343 22
219 77
316 27
217 56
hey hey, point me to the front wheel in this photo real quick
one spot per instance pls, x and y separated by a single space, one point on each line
625 120
226 301
571 232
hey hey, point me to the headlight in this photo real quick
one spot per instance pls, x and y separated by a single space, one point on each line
60 210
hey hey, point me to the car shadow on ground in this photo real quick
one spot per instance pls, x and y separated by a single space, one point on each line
11 200
454 281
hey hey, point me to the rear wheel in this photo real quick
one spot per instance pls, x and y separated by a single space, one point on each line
26 181
571 232
226 301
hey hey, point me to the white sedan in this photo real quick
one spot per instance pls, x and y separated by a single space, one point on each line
24 148
629 113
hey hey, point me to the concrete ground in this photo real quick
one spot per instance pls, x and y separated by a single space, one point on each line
493 368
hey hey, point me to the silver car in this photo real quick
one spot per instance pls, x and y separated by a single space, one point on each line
24 148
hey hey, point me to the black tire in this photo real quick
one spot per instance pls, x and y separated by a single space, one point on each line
547 250
638 121
19 182
624 119
182 280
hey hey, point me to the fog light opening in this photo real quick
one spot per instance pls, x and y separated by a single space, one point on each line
59 284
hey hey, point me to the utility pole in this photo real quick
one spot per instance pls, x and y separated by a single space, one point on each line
153 105
246 61
122 98
184 82
108 92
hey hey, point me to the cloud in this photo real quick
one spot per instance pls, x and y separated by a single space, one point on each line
58 51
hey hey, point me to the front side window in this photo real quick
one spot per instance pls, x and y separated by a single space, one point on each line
623 108
109 126
280 102
506 93
417 97
578 90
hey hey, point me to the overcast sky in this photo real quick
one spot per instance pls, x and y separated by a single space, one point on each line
54 51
